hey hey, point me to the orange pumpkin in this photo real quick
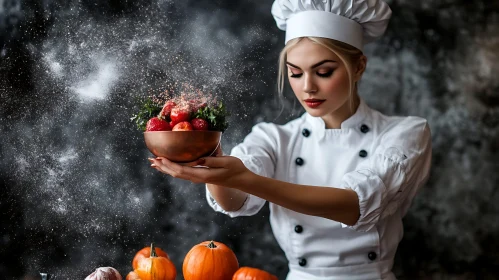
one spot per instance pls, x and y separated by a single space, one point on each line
145 253
250 273
210 260
155 268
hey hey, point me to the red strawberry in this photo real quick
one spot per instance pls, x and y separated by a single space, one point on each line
199 124
157 124
167 108
182 126
180 114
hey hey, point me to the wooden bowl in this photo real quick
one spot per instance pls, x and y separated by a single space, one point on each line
182 146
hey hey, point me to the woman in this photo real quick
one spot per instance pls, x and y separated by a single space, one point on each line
338 179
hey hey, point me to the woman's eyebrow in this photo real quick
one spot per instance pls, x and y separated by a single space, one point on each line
322 62
313 66
292 65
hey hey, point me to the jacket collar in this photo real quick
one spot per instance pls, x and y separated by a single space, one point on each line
319 127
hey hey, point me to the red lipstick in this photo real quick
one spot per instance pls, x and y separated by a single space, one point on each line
314 103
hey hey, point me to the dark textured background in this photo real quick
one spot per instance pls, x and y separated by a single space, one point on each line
76 188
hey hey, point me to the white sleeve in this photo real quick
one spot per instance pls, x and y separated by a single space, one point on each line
257 152
396 171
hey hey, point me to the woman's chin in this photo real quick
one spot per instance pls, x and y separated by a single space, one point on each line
315 113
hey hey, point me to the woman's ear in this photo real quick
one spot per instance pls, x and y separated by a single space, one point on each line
360 68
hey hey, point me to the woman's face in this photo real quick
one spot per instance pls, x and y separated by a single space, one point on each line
319 79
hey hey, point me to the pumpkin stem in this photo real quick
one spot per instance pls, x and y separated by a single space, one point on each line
153 251
212 245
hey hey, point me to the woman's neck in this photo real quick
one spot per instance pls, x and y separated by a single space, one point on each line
336 118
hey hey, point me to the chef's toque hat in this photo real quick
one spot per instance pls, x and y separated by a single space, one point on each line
355 22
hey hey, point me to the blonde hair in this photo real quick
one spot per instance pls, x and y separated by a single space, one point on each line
349 55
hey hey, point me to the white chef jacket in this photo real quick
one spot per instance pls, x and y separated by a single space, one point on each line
385 160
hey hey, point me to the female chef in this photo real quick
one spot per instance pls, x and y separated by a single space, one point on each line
339 178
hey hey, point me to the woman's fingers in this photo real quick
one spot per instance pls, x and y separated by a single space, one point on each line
174 169
158 165
215 172
195 174
214 162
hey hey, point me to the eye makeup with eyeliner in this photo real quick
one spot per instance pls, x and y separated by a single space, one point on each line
326 73
323 74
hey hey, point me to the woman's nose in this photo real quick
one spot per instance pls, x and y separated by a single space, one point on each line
309 85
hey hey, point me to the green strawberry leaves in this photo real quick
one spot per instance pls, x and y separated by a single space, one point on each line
216 116
148 109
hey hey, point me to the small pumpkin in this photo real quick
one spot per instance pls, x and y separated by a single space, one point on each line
145 253
104 273
251 273
155 267
210 260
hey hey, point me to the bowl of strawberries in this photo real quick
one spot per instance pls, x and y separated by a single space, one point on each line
182 129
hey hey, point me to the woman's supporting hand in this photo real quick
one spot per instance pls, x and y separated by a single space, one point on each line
225 171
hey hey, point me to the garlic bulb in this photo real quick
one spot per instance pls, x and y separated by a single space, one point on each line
104 273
